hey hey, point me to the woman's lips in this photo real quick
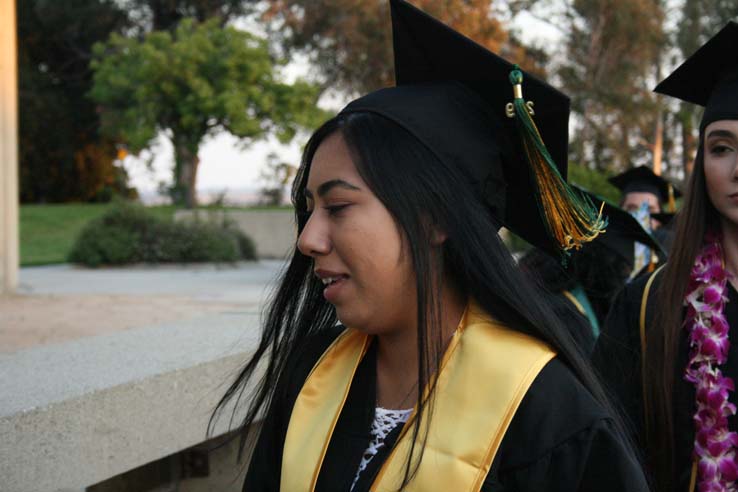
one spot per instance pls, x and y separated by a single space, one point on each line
332 291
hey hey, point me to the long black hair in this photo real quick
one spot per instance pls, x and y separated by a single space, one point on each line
422 194
697 216
595 268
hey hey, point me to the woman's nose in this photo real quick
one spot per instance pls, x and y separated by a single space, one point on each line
314 239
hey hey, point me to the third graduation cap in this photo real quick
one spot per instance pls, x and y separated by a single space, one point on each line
623 231
643 179
466 104
709 77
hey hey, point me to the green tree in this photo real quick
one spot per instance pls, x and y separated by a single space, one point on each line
197 81
350 43
161 15
62 155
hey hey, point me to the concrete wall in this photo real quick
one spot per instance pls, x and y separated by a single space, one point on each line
76 414
273 231
8 149
212 466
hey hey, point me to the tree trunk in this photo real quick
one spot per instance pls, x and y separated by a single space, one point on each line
185 172
624 151
688 140
658 137
658 141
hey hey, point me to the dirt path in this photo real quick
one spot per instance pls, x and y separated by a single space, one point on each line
26 321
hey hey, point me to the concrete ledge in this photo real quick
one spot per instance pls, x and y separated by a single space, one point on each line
273 231
75 414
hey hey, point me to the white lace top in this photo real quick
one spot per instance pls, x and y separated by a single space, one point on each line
384 421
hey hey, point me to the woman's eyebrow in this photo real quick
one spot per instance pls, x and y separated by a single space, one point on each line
721 133
329 185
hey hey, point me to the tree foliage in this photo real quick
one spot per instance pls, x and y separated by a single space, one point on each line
616 52
62 155
164 15
276 175
612 48
74 162
195 82
349 41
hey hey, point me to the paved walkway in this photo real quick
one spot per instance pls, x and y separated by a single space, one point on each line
62 302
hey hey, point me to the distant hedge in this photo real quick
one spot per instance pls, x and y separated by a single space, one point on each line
130 234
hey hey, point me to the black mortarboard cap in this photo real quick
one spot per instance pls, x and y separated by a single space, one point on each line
663 217
709 77
623 231
643 179
452 95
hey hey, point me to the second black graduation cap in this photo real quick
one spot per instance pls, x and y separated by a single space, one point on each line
643 179
623 231
452 94
664 218
709 77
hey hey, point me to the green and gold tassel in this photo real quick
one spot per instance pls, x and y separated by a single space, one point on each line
672 200
570 217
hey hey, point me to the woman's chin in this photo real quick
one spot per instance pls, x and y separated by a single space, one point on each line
352 320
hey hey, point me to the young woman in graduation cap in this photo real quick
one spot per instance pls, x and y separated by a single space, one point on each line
666 348
446 372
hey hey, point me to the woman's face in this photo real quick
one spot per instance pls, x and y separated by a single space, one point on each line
356 247
721 167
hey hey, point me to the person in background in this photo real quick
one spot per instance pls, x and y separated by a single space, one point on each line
641 187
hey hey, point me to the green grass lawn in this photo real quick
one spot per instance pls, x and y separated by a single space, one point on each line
47 232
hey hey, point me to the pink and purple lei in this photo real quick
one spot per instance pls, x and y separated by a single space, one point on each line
714 445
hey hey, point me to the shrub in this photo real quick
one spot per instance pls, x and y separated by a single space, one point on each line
130 234
114 238
245 244
104 243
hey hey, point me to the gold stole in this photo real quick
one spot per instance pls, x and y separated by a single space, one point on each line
484 375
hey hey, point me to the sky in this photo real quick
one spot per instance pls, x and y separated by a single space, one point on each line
226 167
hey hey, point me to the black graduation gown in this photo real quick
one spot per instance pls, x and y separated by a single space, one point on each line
617 357
559 440
579 325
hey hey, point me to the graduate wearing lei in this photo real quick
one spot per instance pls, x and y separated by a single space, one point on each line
403 349
666 349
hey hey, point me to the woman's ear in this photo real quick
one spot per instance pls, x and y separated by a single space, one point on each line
438 236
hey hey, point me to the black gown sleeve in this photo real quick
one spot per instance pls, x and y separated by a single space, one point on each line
578 325
266 459
617 354
594 459
265 467
562 440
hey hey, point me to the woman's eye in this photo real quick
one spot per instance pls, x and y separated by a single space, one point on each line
335 209
720 149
